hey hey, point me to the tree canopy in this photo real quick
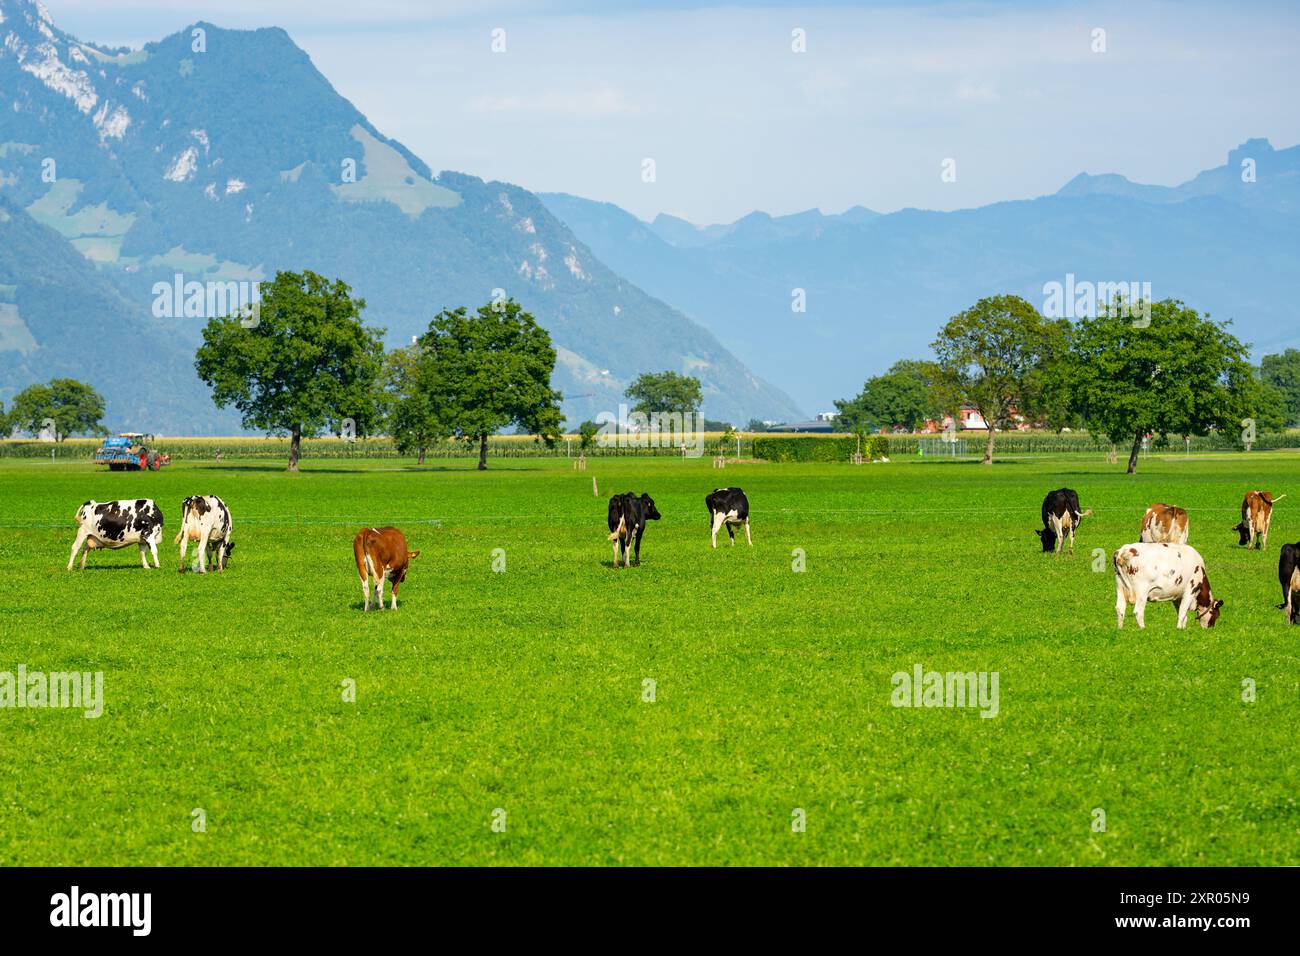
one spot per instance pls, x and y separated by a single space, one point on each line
305 364
904 395
488 370
665 392
997 356
1183 374
1282 372
414 421
73 407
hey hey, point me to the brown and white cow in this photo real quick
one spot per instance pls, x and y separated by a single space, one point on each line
1256 516
1163 572
1164 524
381 553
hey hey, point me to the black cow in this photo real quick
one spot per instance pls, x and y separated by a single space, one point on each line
1288 575
728 506
628 514
1061 516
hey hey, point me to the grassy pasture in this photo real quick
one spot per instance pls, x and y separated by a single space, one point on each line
522 690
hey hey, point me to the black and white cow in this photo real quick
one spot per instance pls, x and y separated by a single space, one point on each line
728 506
116 524
206 519
628 514
1061 516
1288 575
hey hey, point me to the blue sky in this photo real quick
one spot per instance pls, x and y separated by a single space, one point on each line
735 120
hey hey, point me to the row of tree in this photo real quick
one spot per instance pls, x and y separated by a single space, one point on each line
305 364
1131 371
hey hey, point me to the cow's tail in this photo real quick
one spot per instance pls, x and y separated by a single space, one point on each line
185 513
620 530
1086 514
1122 578
1278 498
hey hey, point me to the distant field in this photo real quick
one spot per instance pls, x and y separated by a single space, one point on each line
523 690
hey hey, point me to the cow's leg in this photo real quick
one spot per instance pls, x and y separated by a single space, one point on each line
153 548
144 554
76 546
1121 604
1140 610
616 554
379 587
395 583
747 537
185 548
84 555
1071 539
718 519
731 531
639 531
1184 607
204 536
365 590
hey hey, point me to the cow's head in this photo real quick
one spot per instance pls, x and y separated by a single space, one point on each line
648 509
1048 537
1207 608
225 552
399 574
1243 531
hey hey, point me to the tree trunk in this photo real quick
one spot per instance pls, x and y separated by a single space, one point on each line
421 461
295 446
1133 455
988 446
482 452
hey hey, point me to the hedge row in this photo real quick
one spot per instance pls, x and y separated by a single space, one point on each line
253 447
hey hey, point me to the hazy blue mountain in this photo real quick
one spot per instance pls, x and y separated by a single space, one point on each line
879 287
225 156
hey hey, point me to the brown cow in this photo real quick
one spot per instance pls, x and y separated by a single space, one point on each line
1164 524
1256 516
381 553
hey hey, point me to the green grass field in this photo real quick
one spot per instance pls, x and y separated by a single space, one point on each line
523 690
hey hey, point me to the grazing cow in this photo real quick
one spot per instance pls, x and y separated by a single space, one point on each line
1164 524
381 553
1256 516
628 514
1163 572
206 519
116 524
1288 575
1061 516
728 506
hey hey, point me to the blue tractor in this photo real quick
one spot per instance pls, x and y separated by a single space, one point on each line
130 451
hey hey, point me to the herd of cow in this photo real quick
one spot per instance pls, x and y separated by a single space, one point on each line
1161 566
381 553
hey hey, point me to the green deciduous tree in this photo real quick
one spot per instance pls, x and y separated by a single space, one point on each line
305 364
1283 373
904 395
74 407
587 433
665 392
1183 374
998 356
491 369
414 420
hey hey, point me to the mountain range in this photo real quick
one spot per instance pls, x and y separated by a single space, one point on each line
225 156
876 288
